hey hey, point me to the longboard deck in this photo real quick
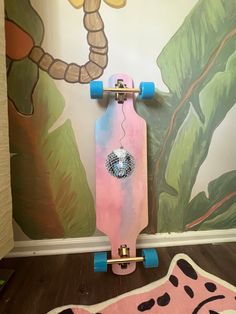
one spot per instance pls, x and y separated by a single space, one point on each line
121 203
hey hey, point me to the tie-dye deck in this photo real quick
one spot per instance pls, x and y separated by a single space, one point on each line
185 289
121 203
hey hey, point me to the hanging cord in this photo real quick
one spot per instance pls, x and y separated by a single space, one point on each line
122 125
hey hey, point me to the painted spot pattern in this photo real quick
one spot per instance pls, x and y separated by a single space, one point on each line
189 291
163 300
174 280
147 305
187 269
210 286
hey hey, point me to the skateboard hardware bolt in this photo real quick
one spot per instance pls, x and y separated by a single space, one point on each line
120 96
123 251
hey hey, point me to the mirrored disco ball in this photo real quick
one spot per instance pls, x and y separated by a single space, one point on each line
120 163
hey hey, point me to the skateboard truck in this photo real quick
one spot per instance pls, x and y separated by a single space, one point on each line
149 258
125 258
146 90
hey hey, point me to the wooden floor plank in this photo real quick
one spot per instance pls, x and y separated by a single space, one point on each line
41 283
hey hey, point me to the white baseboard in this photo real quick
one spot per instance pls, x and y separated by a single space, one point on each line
101 243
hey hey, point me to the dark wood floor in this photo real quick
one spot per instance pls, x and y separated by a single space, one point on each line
45 282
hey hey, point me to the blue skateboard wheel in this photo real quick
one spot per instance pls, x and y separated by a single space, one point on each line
150 258
96 89
147 90
100 262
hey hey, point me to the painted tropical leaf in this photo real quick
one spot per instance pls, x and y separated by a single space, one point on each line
216 210
226 220
20 89
54 201
199 67
27 24
26 17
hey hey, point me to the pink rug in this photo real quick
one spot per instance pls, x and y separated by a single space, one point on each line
185 289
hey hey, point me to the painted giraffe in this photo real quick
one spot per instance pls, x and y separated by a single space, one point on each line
72 72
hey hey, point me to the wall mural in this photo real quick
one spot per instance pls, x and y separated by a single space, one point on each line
199 67
51 196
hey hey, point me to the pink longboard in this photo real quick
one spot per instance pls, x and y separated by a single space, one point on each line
121 175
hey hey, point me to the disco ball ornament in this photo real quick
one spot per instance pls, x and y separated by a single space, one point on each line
120 163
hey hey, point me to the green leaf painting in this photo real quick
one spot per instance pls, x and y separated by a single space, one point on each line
26 17
22 96
23 73
216 210
51 196
198 65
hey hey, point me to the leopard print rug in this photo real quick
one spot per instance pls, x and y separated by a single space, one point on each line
185 289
